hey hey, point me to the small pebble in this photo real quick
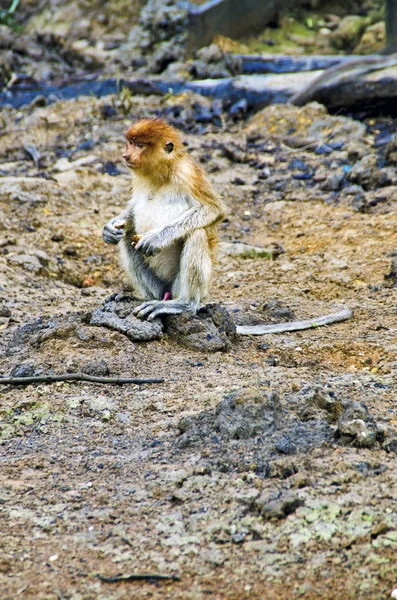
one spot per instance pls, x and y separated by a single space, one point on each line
4 311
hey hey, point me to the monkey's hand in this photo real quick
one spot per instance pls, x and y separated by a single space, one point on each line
113 231
151 243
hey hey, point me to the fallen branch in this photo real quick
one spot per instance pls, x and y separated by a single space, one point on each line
349 77
254 64
74 377
138 577
342 315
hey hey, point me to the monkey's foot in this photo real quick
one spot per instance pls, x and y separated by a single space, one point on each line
155 308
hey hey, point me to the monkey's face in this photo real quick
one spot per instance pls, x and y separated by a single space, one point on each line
134 150
152 148
148 158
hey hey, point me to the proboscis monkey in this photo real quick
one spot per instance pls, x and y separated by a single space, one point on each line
167 233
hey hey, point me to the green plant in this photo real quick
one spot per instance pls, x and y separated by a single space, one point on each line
7 16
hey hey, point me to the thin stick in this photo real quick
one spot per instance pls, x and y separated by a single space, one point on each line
138 577
127 541
342 315
74 377
312 145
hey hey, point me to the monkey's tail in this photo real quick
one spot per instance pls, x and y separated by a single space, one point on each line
342 315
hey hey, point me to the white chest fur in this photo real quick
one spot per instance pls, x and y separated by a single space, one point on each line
153 209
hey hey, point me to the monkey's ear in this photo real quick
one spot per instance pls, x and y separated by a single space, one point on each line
169 146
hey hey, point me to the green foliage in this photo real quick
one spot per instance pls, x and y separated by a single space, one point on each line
7 16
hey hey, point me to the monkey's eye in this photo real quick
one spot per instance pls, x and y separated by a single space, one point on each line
139 144
169 147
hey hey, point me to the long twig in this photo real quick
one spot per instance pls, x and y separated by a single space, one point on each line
74 377
138 577
342 315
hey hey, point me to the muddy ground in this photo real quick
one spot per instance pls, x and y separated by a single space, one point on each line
249 473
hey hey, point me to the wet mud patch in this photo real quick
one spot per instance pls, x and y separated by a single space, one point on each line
253 429
211 330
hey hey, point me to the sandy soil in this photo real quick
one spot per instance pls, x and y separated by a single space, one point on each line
95 479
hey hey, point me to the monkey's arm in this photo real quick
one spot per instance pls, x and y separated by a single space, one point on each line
114 229
198 217
146 281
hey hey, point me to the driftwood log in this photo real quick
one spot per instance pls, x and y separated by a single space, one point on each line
257 90
354 83
273 63
358 82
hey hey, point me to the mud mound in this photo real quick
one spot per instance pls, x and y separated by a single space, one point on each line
249 430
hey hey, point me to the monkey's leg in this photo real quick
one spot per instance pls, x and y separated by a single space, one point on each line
191 284
146 283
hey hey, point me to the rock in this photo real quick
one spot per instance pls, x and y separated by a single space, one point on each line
246 414
243 414
353 190
39 331
116 314
42 256
360 203
372 40
162 30
311 122
390 445
23 370
211 330
392 275
357 427
242 250
165 54
276 311
334 182
6 37
391 151
239 109
100 404
63 164
210 54
163 20
313 400
201 70
285 446
30 190
212 63
98 368
365 173
278 505
356 150
213 556
348 32
26 261
4 311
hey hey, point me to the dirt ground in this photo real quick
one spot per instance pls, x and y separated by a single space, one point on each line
163 478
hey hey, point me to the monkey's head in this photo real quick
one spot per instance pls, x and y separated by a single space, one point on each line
152 148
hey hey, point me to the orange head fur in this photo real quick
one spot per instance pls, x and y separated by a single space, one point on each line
152 149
